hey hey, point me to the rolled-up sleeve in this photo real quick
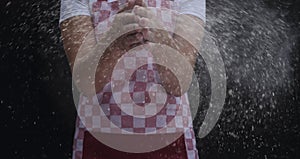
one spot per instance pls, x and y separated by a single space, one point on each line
193 7
71 8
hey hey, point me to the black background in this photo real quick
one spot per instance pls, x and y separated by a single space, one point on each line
259 42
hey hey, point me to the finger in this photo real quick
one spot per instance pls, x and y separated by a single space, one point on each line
121 30
125 18
123 7
130 28
133 3
149 23
150 36
143 12
126 42
134 39
157 36
130 5
140 3
126 7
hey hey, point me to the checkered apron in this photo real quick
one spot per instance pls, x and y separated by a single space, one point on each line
141 106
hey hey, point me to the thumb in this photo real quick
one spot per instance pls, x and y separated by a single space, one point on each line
130 5
140 3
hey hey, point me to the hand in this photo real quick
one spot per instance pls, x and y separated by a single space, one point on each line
132 38
95 61
155 31
153 27
186 40
130 5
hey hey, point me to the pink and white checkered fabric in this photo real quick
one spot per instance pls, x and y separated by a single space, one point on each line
139 107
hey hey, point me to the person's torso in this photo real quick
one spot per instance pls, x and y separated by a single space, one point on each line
141 107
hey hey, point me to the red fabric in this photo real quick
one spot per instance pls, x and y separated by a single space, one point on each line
93 149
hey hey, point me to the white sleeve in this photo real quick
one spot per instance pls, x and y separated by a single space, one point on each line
193 7
70 8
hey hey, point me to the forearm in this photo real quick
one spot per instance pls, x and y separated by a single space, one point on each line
79 43
73 32
189 52
78 40
189 47
92 64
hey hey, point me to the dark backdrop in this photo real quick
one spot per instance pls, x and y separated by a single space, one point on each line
259 43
